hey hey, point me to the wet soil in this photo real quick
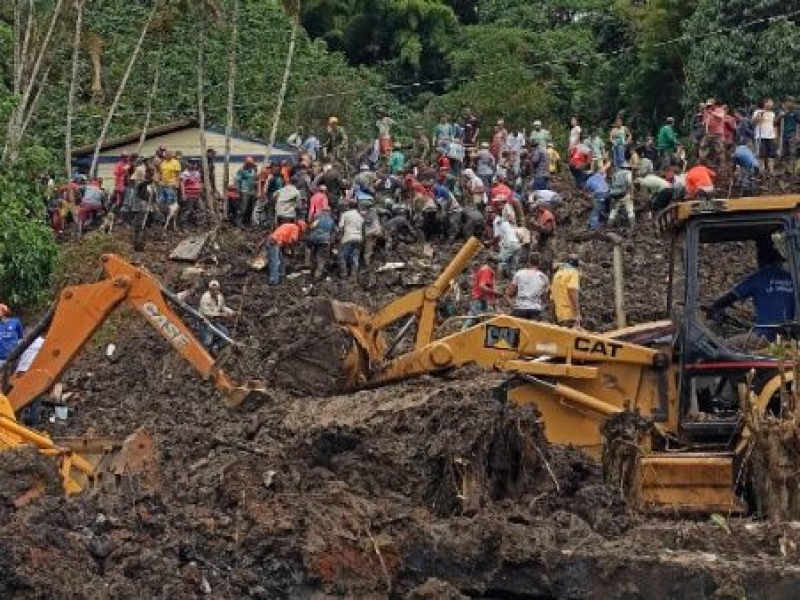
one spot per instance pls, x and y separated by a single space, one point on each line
426 489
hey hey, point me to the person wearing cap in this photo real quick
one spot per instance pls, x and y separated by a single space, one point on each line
351 228
667 143
246 189
565 293
539 135
335 144
213 308
11 333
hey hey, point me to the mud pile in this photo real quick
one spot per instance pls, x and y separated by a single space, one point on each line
426 489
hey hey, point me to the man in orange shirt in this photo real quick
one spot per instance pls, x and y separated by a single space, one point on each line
283 237
699 179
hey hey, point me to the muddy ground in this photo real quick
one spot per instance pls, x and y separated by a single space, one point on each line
426 489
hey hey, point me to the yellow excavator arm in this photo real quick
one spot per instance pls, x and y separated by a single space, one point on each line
82 309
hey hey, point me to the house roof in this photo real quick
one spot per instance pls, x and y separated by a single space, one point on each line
158 131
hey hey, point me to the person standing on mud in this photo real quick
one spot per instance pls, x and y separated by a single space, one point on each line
351 226
246 188
565 293
528 290
277 243
483 292
320 236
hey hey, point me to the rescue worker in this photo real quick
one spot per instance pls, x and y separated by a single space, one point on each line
351 228
482 297
213 308
528 290
320 237
507 239
246 189
772 291
11 333
277 243
565 293
373 230
621 194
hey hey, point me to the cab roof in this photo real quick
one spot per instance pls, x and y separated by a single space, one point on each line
676 216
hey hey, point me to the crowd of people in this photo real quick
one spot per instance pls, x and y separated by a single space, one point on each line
459 179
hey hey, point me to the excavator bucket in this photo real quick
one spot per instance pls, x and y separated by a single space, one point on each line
114 462
251 394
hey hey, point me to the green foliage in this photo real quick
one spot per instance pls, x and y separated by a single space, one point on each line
27 248
408 39
743 64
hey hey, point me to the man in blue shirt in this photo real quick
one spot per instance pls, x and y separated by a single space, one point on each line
772 291
11 333
597 186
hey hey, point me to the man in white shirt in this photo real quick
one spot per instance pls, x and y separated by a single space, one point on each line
766 134
528 290
509 245
351 226
213 308
574 132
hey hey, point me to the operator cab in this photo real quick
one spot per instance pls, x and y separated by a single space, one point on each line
734 299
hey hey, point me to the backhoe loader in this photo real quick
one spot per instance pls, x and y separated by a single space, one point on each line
67 327
681 374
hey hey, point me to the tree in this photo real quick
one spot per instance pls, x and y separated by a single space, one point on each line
742 53
73 84
121 88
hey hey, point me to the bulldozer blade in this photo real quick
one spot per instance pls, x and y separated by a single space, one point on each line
254 393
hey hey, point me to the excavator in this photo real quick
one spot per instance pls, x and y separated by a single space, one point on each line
681 374
66 328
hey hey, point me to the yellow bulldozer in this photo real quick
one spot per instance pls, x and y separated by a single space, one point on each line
66 328
681 374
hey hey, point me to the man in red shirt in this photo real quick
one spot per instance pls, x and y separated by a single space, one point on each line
714 118
483 292
121 174
318 203
543 222
699 179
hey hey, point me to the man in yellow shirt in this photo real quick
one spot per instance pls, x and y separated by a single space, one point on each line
170 170
554 159
564 293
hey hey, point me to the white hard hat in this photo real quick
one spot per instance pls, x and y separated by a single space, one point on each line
213 283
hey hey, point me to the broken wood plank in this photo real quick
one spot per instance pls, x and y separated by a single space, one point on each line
190 248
